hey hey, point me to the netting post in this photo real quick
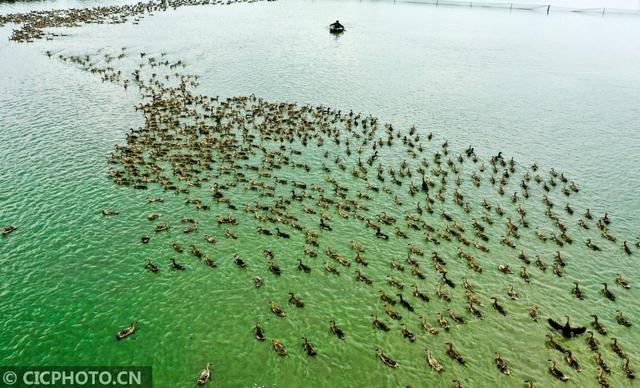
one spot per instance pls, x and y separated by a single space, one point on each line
548 8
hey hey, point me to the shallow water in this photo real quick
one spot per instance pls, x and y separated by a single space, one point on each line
558 90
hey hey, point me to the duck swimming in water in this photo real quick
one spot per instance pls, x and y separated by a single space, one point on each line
607 293
598 326
571 360
533 313
433 363
205 374
577 291
617 349
379 324
554 345
308 347
622 320
277 310
295 300
601 364
279 348
337 330
427 326
259 332
407 333
388 361
405 304
303 267
6 230
258 281
592 341
622 281
239 262
566 330
498 306
502 365
152 266
631 374
124 333
176 266
453 354
557 373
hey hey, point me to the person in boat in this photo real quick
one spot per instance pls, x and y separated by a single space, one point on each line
337 26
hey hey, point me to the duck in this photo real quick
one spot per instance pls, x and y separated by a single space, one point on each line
407 333
177 247
418 294
274 269
602 380
388 361
324 225
442 321
239 262
379 324
145 239
622 320
592 341
601 364
631 374
577 291
566 329
106 213
459 319
308 347
362 278
152 266
209 262
303 267
502 365
6 230
607 293
331 269
554 345
391 312
205 374
557 373
511 292
453 354
621 281
337 330
176 266
474 310
259 332
571 360
616 348
295 300
281 234
277 310
498 306
127 331
404 303
598 326
258 281
533 313
433 363
279 348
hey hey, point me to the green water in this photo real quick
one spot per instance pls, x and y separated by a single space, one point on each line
71 278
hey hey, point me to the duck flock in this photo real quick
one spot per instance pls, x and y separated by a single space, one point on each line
309 176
